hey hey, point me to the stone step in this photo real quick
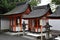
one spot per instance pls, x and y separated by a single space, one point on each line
11 33
29 37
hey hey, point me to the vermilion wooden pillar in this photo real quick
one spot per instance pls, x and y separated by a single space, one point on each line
29 25
20 24
14 24
37 25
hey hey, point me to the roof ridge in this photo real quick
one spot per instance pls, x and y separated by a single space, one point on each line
20 3
41 7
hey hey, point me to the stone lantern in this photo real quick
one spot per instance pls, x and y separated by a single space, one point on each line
24 27
47 27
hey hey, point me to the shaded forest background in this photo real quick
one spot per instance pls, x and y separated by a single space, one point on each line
7 5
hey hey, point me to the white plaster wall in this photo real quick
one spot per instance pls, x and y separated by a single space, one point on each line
4 24
26 21
26 27
18 27
55 24
42 22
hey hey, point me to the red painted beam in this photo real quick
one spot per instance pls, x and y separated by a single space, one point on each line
27 11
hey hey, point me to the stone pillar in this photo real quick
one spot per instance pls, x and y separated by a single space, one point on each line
41 33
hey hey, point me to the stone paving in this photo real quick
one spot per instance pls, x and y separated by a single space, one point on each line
8 37
17 37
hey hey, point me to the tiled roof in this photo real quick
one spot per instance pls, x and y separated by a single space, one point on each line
37 12
56 14
18 9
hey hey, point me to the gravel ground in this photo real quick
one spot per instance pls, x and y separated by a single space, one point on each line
55 32
8 37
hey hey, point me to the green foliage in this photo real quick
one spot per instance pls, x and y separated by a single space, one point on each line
6 5
22 0
56 1
33 2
